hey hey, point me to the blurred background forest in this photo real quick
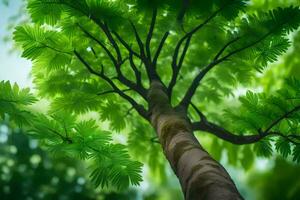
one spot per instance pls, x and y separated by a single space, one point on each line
28 172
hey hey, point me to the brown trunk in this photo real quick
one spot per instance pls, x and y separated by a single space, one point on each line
200 176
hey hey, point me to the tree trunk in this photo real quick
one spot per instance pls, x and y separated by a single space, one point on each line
200 176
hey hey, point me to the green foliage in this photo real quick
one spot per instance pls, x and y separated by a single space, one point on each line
64 135
13 101
40 43
114 113
81 65
27 171
283 147
142 139
263 148
111 165
274 114
116 168
266 35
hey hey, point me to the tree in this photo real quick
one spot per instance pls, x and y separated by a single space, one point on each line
166 61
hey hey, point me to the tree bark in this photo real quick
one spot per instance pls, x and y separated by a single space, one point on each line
200 176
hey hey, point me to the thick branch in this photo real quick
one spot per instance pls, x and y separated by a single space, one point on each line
228 136
224 134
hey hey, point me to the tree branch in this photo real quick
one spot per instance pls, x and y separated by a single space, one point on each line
111 91
151 72
160 46
188 36
137 73
224 48
176 67
150 33
201 115
139 108
224 134
108 34
297 108
193 87
112 58
126 45
117 63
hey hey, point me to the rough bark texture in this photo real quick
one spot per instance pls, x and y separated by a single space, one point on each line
200 176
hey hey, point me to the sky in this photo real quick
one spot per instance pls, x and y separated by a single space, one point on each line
12 66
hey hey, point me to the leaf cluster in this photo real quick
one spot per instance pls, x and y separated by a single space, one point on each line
274 115
13 101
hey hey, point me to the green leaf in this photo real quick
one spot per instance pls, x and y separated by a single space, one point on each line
76 102
37 42
45 11
283 147
13 102
113 167
112 112
263 148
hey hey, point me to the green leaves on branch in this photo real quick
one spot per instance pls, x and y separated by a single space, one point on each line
265 35
111 164
50 48
64 135
13 94
263 148
113 167
274 115
52 11
283 147
13 101
112 112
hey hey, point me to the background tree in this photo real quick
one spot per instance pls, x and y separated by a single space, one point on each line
27 172
73 46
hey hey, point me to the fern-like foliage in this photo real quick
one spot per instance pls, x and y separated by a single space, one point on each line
64 135
111 166
13 101
40 43
273 115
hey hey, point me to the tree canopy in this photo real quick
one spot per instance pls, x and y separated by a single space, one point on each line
94 60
